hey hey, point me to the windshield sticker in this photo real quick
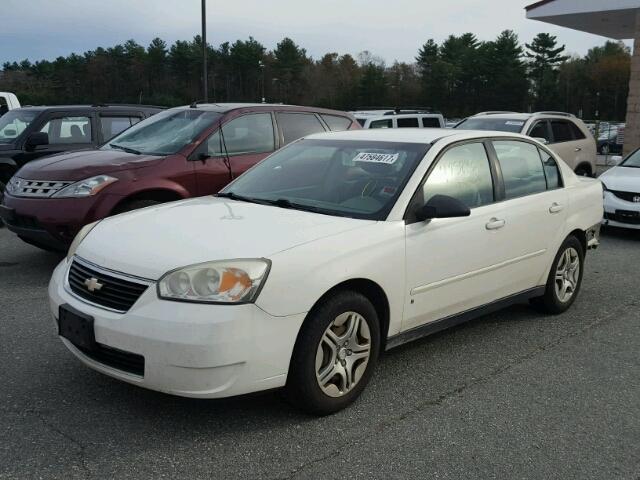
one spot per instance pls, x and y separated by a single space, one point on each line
388 191
386 158
514 123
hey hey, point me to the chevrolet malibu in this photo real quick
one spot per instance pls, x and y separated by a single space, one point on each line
327 253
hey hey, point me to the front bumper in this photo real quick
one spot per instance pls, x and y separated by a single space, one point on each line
620 213
189 349
53 222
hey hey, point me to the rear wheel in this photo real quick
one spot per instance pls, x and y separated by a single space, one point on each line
583 172
335 354
565 278
136 205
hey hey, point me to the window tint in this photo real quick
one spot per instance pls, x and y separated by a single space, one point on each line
521 168
298 125
430 122
112 126
243 135
407 122
68 130
577 133
551 170
381 124
561 131
337 123
540 130
463 173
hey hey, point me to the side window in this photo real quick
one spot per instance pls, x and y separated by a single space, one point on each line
336 123
298 125
408 122
540 130
68 130
244 135
577 133
561 131
521 168
551 171
112 126
430 122
463 172
387 123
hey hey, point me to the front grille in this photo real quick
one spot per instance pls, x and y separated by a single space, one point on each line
624 216
19 187
118 359
628 196
110 291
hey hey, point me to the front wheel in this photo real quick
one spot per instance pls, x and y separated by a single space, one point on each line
565 278
335 354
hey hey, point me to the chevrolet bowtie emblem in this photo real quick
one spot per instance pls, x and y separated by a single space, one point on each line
93 284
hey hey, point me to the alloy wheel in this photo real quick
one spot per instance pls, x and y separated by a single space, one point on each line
567 274
343 354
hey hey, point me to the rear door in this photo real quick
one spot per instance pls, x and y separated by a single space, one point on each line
230 151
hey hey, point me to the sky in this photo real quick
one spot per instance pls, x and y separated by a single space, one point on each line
391 29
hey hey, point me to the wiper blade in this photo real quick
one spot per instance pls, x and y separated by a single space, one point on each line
242 198
126 149
285 203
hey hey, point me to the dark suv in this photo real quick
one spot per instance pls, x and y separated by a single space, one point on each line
179 153
33 132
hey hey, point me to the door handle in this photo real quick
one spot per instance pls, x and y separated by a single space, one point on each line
495 224
555 208
578 149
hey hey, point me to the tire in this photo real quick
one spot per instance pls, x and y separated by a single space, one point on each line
321 350
136 205
552 301
582 172
2 187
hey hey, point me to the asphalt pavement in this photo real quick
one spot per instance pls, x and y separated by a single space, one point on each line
513 395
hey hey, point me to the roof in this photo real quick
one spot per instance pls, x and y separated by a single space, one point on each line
408 135
609 18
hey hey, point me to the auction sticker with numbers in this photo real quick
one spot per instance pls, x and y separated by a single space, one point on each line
387 158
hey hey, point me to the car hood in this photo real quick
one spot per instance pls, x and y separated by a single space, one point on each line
623 179
83 164
152 241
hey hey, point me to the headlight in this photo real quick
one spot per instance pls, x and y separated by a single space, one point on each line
225 281
84 231
86 188
13 186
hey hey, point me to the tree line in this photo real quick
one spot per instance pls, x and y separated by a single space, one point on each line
459 76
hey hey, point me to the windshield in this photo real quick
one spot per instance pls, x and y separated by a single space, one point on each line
14 122
487 123
164 133
349 178
632 160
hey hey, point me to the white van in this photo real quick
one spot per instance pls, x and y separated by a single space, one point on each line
398 118
8 101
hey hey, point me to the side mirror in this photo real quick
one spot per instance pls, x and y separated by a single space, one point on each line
543 141
616 159
442 206
36 139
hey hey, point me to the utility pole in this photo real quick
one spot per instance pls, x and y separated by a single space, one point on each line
261 65
205 97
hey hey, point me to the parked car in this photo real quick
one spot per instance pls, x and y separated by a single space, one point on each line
608 142
336 248
176 154
32 132
399 118
8 101
622 192
565 134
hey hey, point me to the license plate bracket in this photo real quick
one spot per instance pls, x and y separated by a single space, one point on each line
76 327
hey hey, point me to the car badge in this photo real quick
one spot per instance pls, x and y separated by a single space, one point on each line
636 199
93 284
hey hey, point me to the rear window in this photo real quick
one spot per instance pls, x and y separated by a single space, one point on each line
561 131
488 123
387 123
298 125
407 122
577 133
337 123
430 122
361 121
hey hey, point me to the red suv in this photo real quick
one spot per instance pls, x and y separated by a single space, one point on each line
179 153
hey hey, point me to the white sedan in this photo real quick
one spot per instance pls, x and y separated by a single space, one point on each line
622 193
332 250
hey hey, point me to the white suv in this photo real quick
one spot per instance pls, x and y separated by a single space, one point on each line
399 118
565 134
